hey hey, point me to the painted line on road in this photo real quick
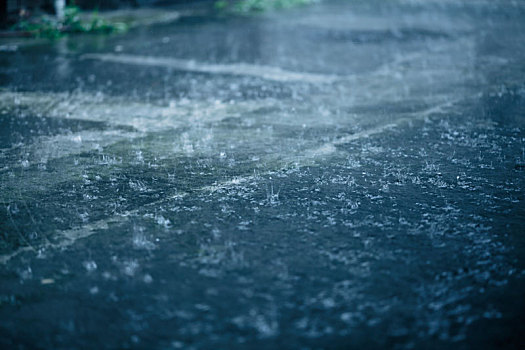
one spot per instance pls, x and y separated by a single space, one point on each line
330 147
243 69
72 235
67 237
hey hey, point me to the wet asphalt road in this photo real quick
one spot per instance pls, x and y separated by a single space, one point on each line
344 175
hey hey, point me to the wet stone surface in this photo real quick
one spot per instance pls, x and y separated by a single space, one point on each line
346 175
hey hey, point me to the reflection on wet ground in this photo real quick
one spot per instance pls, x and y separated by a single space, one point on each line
346 175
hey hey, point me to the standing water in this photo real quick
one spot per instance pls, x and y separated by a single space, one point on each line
344 175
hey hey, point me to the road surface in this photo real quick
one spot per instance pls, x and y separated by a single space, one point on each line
344 175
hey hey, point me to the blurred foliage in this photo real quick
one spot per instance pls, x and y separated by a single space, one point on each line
74 22
253 6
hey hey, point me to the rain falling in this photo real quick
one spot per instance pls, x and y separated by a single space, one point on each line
334 175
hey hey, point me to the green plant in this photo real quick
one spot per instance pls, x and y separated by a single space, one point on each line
221 5
73 22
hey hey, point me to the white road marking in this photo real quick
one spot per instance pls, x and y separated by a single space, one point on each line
244 69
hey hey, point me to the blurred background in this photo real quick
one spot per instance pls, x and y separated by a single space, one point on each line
12 10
